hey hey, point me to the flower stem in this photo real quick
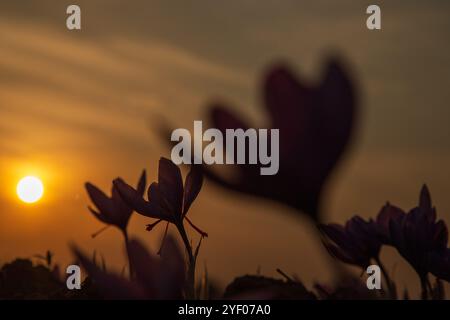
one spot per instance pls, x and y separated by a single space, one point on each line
389 283
130 263
423 284
190 284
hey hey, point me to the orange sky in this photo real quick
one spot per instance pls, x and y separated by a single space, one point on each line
79 106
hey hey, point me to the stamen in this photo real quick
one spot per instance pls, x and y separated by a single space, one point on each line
164 238
202 233
100 231
152 225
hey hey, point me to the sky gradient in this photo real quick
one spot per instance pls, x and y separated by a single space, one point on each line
82 106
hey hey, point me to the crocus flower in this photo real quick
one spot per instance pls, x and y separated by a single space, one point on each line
387 214
113 210
168 199
156 277
422 240
355 243
315 123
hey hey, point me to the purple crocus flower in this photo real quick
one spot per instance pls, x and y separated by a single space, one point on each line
168 199
355 243
422 240
387 213
112 210
315 123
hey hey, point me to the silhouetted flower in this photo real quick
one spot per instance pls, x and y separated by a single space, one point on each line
421 240
156 277
355 243
168 200
387 213
113 210
315 124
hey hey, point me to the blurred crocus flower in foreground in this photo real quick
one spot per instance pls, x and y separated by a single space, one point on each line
315 123
156 277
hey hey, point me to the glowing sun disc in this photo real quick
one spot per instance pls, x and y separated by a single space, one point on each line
30 189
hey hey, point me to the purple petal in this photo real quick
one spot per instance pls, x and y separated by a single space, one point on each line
135 201
192 187
335 232
387 214
158 200
99 216
170 183
337 105
425 198
287 100
440 235
142 183
103 203
339 254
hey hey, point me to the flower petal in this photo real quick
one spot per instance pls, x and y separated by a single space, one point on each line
103 203
224 119
99 216
387 213
440 235
425 198
288 101
170 184
157 199
192 187
142 183
132 197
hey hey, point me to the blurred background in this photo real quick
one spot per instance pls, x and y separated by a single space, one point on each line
80 106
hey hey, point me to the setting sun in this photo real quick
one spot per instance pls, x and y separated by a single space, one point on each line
30 189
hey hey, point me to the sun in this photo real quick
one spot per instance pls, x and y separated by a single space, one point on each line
30 189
